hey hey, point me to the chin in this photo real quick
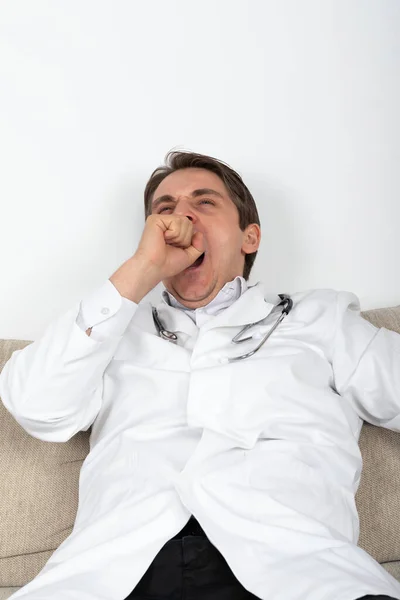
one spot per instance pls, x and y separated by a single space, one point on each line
191 291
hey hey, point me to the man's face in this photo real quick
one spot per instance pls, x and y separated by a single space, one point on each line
215 215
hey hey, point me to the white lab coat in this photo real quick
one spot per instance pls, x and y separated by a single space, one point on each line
264 452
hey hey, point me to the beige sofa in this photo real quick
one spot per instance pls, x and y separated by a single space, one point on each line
39 488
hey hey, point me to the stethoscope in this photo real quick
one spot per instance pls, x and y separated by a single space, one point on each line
286 304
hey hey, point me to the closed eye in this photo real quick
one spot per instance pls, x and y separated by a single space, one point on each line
205 200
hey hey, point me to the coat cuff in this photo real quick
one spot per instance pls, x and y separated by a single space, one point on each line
106 311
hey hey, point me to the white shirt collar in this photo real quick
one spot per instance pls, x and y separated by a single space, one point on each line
225 297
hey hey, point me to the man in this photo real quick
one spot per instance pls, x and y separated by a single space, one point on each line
261 451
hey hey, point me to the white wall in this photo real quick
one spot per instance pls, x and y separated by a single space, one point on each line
300 96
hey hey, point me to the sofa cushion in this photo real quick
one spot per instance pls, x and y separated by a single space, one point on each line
38 492
6 592
378 497
39 486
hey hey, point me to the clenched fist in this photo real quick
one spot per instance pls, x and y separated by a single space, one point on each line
167 247
168 243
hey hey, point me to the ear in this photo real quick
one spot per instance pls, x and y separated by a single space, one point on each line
251 238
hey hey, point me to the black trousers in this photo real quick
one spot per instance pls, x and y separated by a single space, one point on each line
189 566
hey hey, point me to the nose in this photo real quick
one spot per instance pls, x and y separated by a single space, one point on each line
183 208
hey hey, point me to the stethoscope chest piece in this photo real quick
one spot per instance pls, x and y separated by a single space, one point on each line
169 336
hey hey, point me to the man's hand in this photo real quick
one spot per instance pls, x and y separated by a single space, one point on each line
167 247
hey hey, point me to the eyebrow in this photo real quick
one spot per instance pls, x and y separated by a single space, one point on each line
194 194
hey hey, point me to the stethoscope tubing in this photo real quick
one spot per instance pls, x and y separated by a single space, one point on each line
286 301
288 304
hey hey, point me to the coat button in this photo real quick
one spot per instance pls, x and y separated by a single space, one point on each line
105 310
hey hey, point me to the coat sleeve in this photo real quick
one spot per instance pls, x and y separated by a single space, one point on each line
54 386
366 364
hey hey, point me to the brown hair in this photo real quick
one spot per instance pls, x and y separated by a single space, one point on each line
237 190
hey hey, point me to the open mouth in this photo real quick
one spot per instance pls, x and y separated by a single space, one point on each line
198 262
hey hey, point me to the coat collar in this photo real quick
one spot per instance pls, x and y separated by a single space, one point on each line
252 306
